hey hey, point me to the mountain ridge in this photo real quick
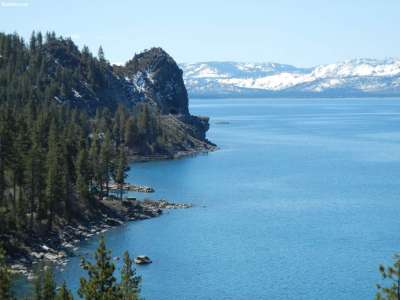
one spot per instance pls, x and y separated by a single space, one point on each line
355 77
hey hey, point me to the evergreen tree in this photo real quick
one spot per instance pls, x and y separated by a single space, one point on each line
34 177
54 174
130 281
392 274
33 42
69 150
44 285
38 287
5 278
101 56
64 293
21 148
82 176
5 153
131 133
55 155
96 184
106 160
121 167
49 285
101 283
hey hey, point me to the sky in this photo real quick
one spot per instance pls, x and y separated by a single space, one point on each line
303 33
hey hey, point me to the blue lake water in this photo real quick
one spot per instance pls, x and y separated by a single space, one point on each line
302 201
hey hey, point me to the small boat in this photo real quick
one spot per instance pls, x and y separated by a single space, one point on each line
142 260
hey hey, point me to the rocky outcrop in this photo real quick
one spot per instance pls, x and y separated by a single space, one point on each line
150 77
197 125
153 77
158 79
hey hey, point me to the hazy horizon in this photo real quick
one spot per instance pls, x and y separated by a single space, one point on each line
284 63
318 32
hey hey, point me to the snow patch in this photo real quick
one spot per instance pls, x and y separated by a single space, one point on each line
76 93
358 74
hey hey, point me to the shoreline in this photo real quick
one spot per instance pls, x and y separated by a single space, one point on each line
207 148
60 245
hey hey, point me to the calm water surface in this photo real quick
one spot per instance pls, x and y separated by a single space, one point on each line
300 202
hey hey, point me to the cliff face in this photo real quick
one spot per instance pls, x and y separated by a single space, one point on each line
153 77
158 79
56 71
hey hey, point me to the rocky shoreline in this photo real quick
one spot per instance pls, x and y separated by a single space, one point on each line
60 245
177 155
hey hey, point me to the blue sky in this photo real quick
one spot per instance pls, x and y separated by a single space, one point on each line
303 33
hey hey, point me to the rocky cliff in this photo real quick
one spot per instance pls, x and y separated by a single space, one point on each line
153 77
158 79
149 87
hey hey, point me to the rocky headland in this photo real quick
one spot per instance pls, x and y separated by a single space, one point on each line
153 77
68 119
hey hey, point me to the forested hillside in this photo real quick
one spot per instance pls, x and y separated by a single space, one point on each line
69 123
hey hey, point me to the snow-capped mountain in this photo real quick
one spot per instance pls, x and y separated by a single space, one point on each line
358 77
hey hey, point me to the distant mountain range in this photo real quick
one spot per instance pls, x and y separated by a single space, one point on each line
352 78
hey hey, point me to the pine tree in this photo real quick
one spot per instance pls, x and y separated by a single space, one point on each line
5 278
86 55
101 283
131 133
64 293
391 273
39 38
54 181
130 281
96 184
121 167
69 170
38 287
33 42
105 161
34 175
82 176
101 56
49 285
5 152
44 285
21 148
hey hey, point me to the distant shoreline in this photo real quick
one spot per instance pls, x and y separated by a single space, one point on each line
269 96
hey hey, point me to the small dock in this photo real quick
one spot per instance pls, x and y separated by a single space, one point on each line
132 188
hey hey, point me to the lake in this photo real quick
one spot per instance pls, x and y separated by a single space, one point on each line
301 201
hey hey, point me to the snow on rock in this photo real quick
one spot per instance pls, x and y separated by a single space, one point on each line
76 93
139 81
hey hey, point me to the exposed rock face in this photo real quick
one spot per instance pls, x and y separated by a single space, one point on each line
154 77
151 77
198 125
157 78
